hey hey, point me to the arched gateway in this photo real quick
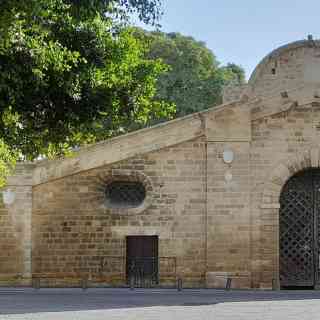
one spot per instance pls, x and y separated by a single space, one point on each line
171 195
299 227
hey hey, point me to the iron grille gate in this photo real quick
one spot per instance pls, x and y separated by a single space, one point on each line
125 193
142 261
299 230
143 272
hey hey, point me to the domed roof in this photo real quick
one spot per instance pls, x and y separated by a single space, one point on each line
285 66
279 51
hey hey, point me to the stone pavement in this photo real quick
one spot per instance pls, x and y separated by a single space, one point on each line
295 310
118 304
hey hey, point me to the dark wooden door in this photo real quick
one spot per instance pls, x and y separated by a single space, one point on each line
299 238
142 260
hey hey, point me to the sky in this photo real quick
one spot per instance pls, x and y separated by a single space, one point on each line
242 31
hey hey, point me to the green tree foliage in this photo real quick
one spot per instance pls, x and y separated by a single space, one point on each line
71 74
7 162
195 79
234 73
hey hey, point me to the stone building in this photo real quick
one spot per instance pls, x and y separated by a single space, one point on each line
231 192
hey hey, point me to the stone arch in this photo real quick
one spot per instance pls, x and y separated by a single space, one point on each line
269 214
283 171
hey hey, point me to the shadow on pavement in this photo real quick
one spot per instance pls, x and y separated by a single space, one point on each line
22 301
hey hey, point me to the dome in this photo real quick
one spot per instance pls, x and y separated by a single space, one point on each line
288 67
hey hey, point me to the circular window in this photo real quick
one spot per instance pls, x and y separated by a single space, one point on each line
125 194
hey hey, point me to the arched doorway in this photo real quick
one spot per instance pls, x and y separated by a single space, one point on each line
299 228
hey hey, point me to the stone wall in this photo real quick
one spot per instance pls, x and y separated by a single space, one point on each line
283 136
75 235
229 219
289 67
15 229
214 220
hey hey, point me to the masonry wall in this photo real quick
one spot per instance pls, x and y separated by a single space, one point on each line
214 220
75 235
243 214
283 72
285 127
229 219
293 66
276 139
15 229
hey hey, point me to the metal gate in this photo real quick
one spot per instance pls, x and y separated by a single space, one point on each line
142 261
298 226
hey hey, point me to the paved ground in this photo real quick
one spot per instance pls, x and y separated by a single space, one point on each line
120 304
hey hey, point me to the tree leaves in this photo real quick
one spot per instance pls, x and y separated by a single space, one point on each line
70 74
195 79
7 162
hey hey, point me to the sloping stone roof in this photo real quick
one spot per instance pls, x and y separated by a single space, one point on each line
228 122
224 122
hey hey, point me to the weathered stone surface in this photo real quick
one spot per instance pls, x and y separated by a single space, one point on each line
220 280
214 219
121 148
74 234
15 229
229 123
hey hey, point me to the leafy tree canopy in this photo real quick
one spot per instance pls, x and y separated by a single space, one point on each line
70 74
195 79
